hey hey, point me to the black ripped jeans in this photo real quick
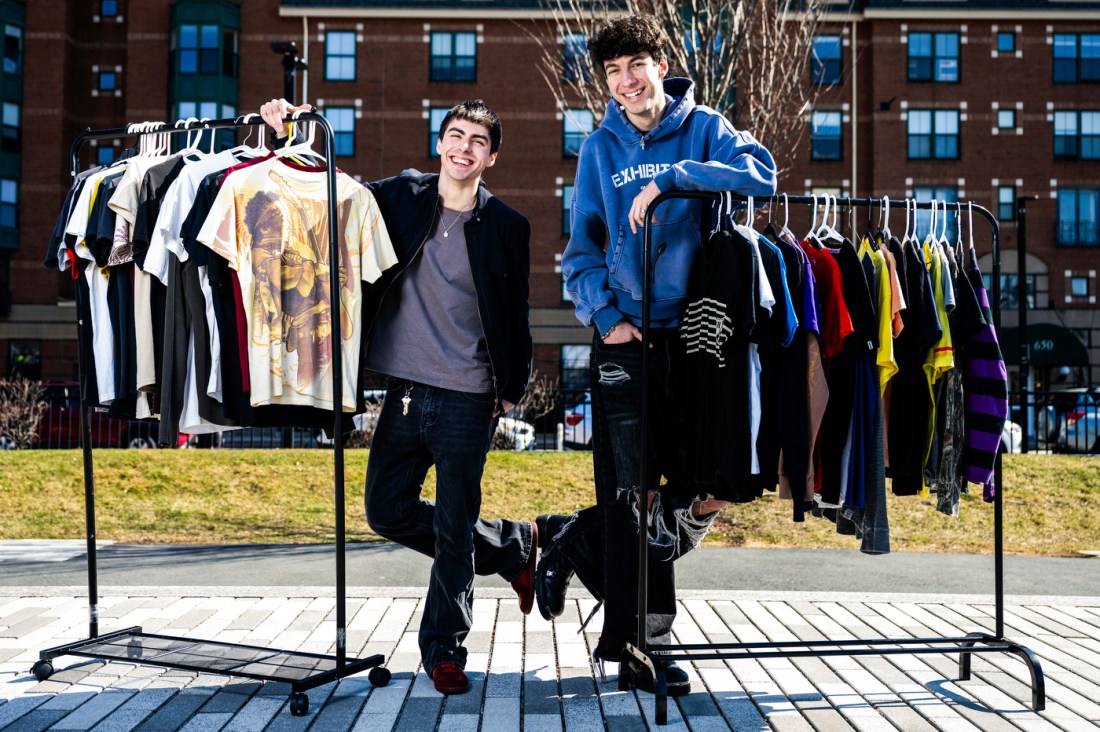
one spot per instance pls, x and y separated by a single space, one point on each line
602 542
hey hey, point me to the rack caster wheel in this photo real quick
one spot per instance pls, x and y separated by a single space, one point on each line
299 704
42 670
133 649
379 676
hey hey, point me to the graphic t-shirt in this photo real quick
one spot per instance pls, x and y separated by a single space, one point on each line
270 221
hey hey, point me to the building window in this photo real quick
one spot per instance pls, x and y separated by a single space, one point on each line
12 128
108 81
340 56
577 124
9 203
574 371
934 57
198 49
1010 290
1076 58
1076 135
1006 203
575 58
943 194
825 65
207 110
1077 214
454 57
108 8
342 120
13 49
1006 119
1006 43
435 121
933 134
1079 286
825 136
566 219
104 155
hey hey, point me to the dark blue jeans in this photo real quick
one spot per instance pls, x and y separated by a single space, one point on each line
617 443
452 431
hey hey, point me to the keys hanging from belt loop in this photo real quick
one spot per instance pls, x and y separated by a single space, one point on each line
406 400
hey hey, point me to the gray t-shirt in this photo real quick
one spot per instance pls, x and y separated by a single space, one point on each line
428 328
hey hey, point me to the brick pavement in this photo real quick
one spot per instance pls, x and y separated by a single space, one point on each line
528 674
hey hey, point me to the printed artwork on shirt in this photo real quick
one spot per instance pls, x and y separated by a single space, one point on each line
706 327
270 221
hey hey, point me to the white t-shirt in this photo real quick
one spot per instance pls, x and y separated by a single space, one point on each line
270 221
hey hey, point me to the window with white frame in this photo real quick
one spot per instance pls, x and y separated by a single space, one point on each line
340 55
575 58
454 56
577 124
435 121
933 134
825 141
1078 210
566 214
1077 135
943 194
12 128
825 64
933 57
9 203
342 120
1006 203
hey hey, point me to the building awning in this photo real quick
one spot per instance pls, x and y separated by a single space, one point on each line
1051 345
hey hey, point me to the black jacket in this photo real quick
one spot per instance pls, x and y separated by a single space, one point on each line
497 240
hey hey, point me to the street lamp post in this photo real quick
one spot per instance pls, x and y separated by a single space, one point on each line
292 63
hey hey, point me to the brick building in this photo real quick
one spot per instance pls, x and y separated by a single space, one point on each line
976 100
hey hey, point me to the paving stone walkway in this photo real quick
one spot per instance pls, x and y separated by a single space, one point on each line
529 674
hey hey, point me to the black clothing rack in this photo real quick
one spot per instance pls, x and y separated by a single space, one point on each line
641 658
301 670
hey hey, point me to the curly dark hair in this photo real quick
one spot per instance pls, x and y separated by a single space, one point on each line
478 112
627 36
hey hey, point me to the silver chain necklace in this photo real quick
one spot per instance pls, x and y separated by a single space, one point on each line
453 221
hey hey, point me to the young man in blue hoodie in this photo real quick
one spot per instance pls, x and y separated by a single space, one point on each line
653 138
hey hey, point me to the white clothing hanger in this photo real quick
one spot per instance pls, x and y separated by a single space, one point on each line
301 148
886 233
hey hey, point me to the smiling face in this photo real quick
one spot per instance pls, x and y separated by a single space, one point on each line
635 83
464 150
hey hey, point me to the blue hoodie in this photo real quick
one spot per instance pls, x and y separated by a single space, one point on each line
692 148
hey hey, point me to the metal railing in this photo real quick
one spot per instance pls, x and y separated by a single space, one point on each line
1056 421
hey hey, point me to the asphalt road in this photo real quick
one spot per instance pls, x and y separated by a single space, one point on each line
381 565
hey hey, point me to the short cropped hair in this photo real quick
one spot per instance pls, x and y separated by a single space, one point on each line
628 35
478 112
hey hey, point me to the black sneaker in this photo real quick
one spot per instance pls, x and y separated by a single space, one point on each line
676 679
552 577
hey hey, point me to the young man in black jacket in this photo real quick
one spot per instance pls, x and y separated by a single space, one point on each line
449 326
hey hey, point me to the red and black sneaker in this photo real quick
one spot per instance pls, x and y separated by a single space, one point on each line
524 585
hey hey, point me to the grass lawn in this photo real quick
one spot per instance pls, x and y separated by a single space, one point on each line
1052 502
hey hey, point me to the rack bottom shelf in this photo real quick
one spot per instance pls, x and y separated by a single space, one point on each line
299 669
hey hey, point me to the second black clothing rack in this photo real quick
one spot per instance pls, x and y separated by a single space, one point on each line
642 657
301 670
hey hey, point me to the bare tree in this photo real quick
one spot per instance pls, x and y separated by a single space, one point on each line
21 407
750 59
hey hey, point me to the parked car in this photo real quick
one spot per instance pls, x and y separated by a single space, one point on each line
510 431
578 423
59 424
1070 422
260 437
1012 437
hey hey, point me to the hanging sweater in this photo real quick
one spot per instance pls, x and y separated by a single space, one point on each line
986 395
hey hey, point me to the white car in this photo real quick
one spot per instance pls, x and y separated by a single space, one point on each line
1012 437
